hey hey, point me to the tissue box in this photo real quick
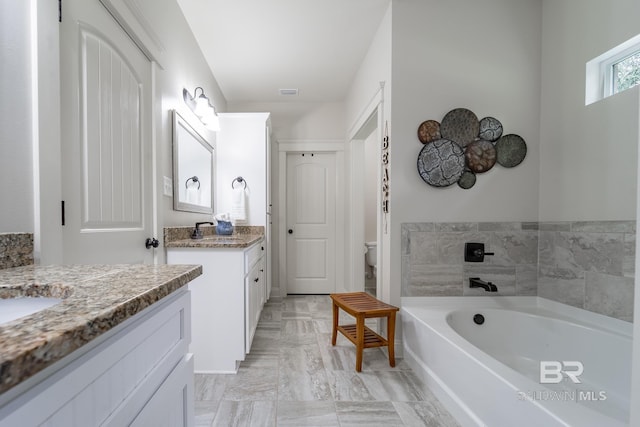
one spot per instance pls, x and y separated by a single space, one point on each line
224 228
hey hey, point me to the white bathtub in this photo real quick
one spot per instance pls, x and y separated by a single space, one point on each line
489 374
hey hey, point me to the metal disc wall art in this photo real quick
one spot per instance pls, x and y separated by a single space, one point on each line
490 129
461 146
467 180
461 126
428 131
441 163
511 150
480 156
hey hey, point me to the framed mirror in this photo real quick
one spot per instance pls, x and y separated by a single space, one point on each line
192 169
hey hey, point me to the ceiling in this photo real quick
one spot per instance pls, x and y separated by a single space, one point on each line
257 47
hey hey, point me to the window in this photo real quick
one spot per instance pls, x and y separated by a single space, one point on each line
614 71
626 73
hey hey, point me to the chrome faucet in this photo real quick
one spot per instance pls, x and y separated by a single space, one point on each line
475 282
197 233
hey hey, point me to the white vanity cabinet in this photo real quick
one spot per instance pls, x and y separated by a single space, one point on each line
227 300
139 374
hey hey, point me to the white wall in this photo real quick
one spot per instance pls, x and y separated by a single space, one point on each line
184 67
588 154
16 142
484 56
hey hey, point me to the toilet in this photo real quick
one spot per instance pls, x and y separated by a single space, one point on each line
372 256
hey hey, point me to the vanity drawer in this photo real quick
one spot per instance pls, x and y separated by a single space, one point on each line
252 255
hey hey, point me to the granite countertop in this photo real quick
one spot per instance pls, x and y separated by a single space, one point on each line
242 237
94 300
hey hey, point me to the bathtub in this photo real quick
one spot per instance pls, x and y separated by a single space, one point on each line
490 374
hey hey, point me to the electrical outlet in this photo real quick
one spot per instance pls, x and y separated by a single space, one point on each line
168 186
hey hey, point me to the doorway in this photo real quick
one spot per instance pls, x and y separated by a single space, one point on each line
365 178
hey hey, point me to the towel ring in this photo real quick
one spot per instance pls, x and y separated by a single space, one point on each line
194 179
241 180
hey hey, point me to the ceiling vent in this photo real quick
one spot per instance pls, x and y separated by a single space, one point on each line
288 92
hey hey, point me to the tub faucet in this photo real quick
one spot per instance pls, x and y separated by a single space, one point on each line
475 282
197 233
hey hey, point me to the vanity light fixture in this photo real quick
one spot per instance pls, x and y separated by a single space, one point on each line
201 107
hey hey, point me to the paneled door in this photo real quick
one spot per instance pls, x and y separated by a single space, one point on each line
311 219
106 139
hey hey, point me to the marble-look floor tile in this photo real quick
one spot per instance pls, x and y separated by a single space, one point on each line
252 384
424 414
205 412
296 303
245 414
323 326
297 326
356 386
261 359
302 358
296 340
210 386
303 385
296 315
338 358
307 414
401 386
369 414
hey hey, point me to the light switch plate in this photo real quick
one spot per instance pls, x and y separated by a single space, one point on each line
168 186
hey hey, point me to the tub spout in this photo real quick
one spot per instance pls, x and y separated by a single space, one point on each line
475 282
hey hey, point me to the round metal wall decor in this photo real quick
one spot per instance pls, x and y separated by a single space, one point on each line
460 125
467 180
511 150
428 131
461 146
490 129
441 163
480 156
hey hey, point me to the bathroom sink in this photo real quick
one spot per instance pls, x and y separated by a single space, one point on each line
21 300
15 308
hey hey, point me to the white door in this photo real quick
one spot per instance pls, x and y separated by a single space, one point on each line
106 139
311 218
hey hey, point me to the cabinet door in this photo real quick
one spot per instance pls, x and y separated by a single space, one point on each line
254 292
172 404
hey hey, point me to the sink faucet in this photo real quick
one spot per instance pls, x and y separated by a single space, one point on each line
197 233
475 282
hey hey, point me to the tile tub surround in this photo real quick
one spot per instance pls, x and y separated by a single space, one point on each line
95 299
180 237
433 258
16 249
586 264
589 265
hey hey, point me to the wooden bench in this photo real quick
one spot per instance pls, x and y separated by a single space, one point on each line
362 305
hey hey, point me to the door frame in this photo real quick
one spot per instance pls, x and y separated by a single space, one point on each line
317 146
373 112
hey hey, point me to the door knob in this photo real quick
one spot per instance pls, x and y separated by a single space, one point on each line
151 242
290 231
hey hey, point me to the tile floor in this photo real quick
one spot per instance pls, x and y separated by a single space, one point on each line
294 377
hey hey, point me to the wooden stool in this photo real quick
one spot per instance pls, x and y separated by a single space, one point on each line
361 305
